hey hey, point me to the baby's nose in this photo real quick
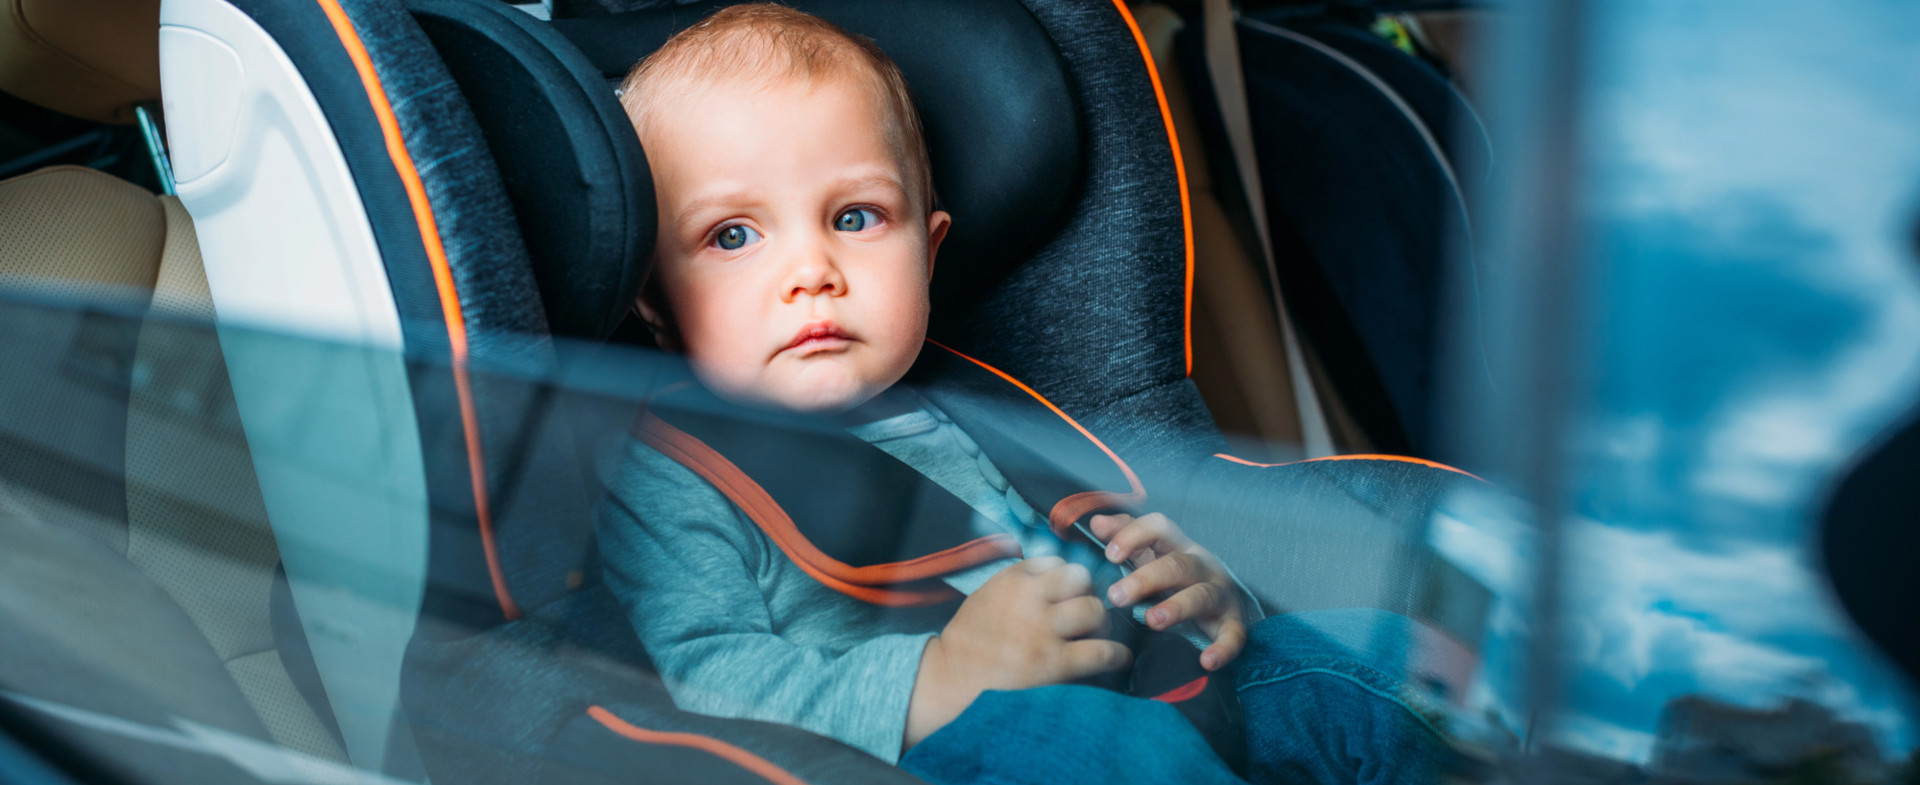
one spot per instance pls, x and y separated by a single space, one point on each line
815 274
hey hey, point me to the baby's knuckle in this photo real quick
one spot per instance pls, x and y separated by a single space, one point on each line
1178 565
1209 595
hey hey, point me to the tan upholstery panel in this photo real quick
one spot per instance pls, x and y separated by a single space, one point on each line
87 58
292 724
196 523
69 231
180 289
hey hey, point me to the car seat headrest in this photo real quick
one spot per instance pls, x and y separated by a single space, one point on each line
88 58
568 157
1001 121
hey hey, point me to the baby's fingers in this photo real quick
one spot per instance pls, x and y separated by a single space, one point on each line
1227 643
1154 533
1200 600
1171 572
1104 526
1078 618
1093 656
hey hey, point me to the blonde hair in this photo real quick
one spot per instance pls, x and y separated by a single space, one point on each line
766 42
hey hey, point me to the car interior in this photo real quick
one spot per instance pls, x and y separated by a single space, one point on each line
369 546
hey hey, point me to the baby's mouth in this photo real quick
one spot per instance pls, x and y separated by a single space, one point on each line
817 337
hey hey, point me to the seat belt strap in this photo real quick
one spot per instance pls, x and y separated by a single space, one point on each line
1229 86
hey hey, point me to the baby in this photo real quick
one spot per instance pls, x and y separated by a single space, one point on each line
796 246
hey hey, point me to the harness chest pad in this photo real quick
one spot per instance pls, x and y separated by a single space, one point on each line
868 525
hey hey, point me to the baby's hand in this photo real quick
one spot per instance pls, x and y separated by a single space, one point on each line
1034 623
1167 563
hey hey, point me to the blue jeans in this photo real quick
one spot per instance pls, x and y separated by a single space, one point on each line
1321 694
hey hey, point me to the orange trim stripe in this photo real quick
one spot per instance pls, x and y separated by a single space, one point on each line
1179 165
1183 692
879 584
442 283
759 766
1069 510
1357 457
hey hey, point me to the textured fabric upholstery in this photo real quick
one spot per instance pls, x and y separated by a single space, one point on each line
500 312
581 192
196 524
86 630
498 297
1097 314
72 232
180 285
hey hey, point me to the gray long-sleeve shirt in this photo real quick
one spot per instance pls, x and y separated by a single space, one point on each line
737 629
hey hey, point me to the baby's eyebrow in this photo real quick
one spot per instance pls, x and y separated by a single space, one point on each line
729 200
878 180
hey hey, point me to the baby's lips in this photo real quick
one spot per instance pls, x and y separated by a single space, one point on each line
816 331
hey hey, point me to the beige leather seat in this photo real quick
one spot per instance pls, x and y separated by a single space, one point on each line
194 522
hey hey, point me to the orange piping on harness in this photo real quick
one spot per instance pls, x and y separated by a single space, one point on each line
1179 166
862 583
1068 510
442 283
1358 457
759 766
1183 692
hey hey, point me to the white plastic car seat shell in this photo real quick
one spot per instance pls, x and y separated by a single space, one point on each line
288 248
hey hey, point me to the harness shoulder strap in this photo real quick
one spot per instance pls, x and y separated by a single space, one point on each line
862 522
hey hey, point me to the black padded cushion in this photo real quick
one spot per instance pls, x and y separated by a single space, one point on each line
1360 208
572 167
1447 114
1002 130
1869 543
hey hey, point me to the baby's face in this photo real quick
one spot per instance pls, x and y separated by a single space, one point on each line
793 260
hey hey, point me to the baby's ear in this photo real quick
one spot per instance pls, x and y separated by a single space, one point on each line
938 222
655 316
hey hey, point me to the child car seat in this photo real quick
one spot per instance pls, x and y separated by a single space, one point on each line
340 153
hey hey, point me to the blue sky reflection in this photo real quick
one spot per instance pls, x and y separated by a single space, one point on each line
1753 176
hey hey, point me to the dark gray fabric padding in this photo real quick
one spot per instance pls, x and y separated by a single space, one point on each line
500 311
499 301
1097 314
572 166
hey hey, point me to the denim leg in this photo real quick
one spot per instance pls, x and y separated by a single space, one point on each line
1067 734
1326 701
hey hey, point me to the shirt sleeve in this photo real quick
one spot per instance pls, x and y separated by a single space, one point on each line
683 561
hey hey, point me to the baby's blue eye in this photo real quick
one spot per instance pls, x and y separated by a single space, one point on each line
735 237
854 220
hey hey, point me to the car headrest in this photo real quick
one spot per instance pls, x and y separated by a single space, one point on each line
88 58
567 156
1000 118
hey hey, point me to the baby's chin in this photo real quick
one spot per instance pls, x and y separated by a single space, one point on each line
816 393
